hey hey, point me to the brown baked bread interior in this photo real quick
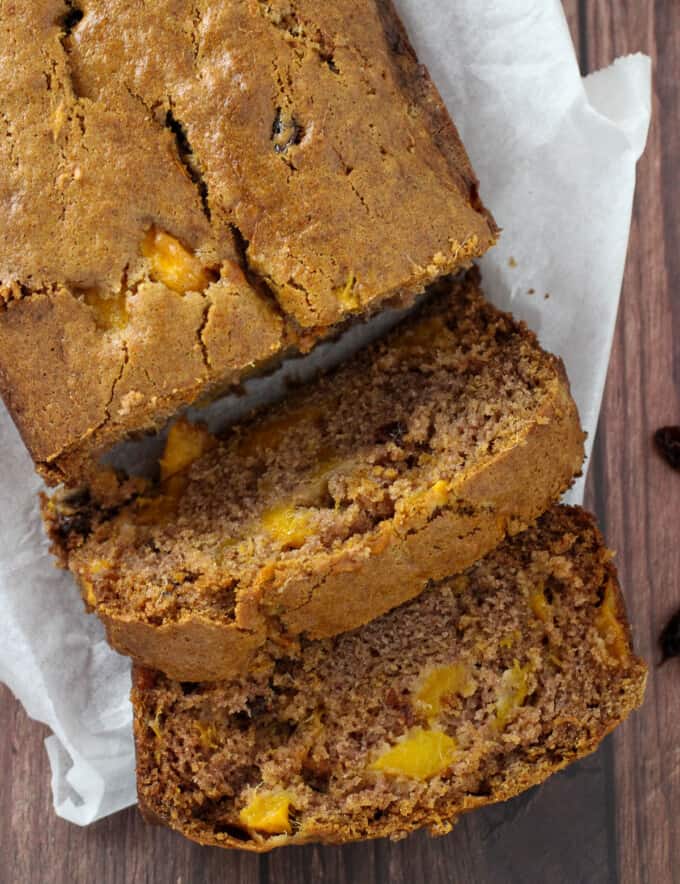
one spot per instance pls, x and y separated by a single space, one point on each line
407 464
478 689
190 190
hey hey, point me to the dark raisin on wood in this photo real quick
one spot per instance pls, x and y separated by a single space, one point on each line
667 441
670 638
286 131
392 432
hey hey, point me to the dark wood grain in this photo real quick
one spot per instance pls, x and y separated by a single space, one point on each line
616 815
634 491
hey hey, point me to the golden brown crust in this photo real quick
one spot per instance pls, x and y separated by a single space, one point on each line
246 163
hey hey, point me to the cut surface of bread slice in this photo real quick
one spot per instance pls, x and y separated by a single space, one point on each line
481 687
407 464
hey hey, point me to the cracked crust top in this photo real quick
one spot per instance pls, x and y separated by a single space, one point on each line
295 150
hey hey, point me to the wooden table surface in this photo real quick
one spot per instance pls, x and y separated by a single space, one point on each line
614 816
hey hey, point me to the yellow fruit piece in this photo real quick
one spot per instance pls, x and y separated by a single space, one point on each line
442 682
288 525
512 693
610 627
347 295
431 498
268 812
186 442
110 311
173 264
420 756
539 604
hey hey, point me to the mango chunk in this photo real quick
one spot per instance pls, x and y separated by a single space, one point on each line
512 693
268 812
288 525
431 498
610 627
421 755
186 442
442 682
173 264
110 311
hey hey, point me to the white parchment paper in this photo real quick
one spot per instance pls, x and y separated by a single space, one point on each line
556 157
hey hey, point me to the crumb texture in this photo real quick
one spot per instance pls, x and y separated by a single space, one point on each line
182 203
406 465
465 696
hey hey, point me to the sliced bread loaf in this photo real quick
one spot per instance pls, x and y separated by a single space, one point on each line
478 689
406 465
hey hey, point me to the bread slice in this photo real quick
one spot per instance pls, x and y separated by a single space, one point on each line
407 464
480 688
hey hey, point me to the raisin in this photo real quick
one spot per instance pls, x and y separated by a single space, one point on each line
667 441
392 432
670 638
286 131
